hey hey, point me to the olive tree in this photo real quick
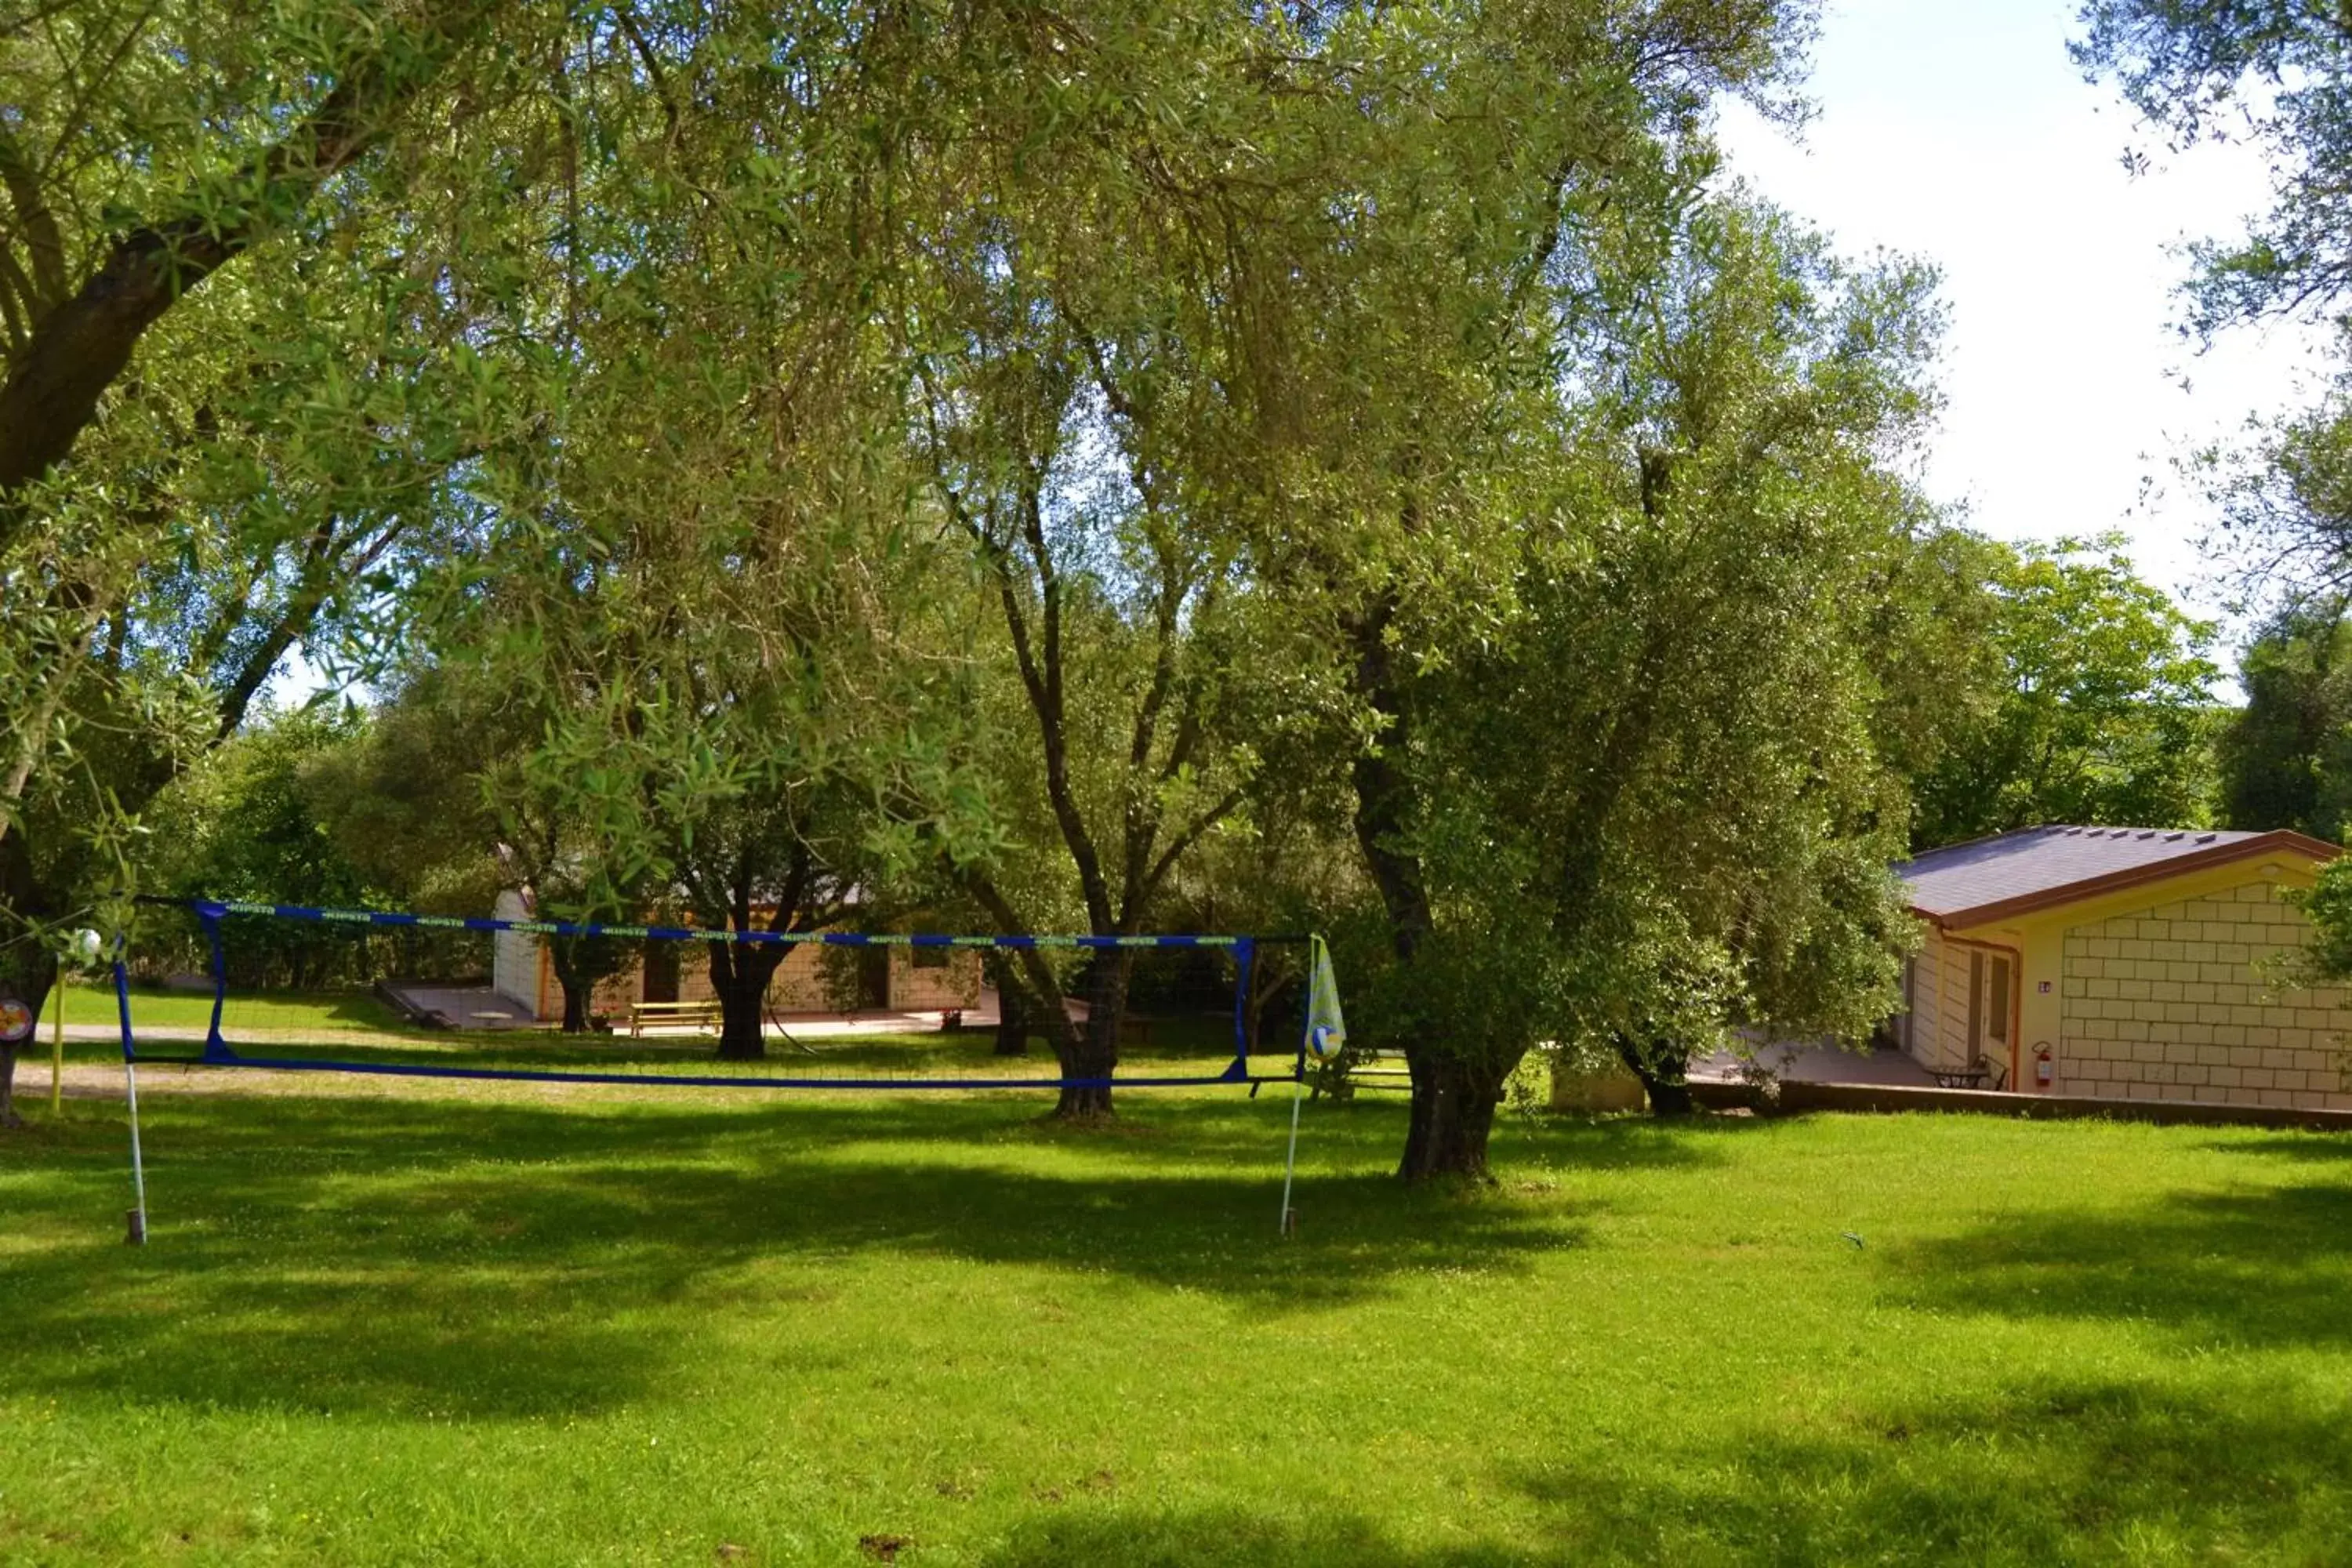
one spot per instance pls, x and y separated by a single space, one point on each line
233 353
1650 811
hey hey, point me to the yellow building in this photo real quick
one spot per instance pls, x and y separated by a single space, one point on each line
886 979
2126 963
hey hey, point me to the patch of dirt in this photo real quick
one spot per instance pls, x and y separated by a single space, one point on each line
883 1548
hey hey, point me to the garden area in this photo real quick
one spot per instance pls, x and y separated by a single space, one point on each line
571 575
607 1327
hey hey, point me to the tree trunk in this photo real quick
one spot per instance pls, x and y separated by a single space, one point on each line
1453 1113
577 970
740 975
1012 1018
1085 1103
1669 1097
84 342
1452 1104
31 985
1093 1052
1665 1078
1269 979
575 1003
28 969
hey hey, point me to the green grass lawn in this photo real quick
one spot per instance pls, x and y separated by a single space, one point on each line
354 1026
620 1328
152 1006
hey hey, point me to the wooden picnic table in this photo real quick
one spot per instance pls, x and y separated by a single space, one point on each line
701 1014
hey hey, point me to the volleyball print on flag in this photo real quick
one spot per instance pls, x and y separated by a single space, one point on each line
1327 1029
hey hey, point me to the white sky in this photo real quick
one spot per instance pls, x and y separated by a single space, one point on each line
1962 135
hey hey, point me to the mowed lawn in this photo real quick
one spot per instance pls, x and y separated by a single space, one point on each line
577 1327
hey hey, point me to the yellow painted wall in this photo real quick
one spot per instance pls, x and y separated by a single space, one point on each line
1938 1029
2156 992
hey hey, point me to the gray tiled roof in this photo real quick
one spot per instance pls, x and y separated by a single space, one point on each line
2042 860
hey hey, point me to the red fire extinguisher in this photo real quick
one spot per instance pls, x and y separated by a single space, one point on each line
2042 1065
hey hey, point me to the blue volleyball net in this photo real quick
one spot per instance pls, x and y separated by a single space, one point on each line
226 984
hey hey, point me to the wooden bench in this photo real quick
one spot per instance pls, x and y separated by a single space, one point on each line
699 1015
1373 1069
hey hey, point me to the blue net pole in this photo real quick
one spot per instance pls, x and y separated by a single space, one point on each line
1244 960
211 916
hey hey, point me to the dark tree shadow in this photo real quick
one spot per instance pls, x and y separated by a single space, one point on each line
2304 1148
2051 1473
476 1259
2264 1267
1307 1537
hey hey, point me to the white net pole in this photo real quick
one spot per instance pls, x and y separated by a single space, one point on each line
1290 1161
138 1217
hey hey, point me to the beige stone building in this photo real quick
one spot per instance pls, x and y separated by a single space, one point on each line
2130 964
812 979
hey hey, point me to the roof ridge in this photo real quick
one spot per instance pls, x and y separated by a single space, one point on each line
2090 830
1991 837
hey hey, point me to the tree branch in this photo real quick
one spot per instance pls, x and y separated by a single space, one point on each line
79 348
1183 841
43 244
1033 967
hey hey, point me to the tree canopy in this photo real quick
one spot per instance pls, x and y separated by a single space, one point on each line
2086 697
787 466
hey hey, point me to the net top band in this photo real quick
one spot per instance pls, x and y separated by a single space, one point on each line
215 909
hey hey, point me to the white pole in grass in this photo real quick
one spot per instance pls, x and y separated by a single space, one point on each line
58 1048
138 1217
1290 1163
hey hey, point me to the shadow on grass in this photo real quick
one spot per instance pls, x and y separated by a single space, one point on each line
1140 1538
394 1042
2265 1266
2306 1148
1629 1142
2055 1472
2051 1473
470 1259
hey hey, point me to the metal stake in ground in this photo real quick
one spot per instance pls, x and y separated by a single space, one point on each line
1290 1163
138 1215
58 1048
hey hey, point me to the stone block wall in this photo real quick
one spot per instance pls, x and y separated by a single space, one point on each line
2172 1003
940 979
799 985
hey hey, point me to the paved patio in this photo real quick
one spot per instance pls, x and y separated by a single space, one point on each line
460 1006
1804 1061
